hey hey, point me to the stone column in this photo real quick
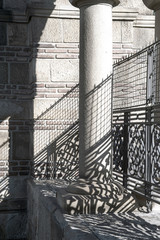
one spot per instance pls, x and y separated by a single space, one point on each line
95 191
95 65
155 5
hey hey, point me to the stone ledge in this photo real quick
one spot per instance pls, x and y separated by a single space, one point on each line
46 215
144 21
119 13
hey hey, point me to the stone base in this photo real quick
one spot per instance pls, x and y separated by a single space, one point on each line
95 198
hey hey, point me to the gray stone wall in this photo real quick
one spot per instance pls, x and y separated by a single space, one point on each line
39 63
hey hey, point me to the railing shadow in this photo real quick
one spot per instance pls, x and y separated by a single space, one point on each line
56 139
115 226
60 158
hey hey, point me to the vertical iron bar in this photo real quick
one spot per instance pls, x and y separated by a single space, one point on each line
149 87
125 149
148 159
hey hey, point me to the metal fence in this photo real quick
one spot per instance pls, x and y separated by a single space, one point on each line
51 127
135 126
136 122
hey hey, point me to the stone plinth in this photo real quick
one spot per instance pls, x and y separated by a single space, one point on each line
91 197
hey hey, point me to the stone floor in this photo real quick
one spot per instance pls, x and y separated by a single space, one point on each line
116 226
110 226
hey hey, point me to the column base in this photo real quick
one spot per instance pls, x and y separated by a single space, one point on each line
86 197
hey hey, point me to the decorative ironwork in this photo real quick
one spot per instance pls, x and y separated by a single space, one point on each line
155 154
136 151
118 147
135 127
136 92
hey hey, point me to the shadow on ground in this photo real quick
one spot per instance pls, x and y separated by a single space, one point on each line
118 226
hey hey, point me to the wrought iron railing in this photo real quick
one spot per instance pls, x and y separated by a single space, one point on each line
136 122
135 126
136 79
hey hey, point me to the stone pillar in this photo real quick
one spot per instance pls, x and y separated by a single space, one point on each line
95 191
95 65
155 5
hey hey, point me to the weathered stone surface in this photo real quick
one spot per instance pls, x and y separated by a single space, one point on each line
71 30
47 30
19 73
3 72
136 4
142 37
3 35
48 3
18 34
15 109
4 145
17 187
41 105
13 225
22 149
57 225
42 70
64 70
15 4
117 31
1 3
127 31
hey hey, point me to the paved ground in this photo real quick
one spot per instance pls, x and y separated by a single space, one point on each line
117 226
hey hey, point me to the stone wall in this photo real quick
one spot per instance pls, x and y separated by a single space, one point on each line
39 63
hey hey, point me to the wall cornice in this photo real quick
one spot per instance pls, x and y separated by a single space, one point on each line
119 14
144 21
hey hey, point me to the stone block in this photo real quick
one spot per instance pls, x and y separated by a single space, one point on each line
13 225
42 70
15 4
41 105
3 35
47 30
71 30
142 37
127 31
19 73
65 70
117 31
21 142
17 187
3 72
18 34
4 145
16 109
142 9
1 3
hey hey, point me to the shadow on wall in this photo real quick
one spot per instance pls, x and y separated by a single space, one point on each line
56 136
57 156
17 91
56 140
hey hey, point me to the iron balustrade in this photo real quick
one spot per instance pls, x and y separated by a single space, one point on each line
135 127
136 122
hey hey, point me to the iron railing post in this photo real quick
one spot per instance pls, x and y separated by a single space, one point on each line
125 149
148 159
